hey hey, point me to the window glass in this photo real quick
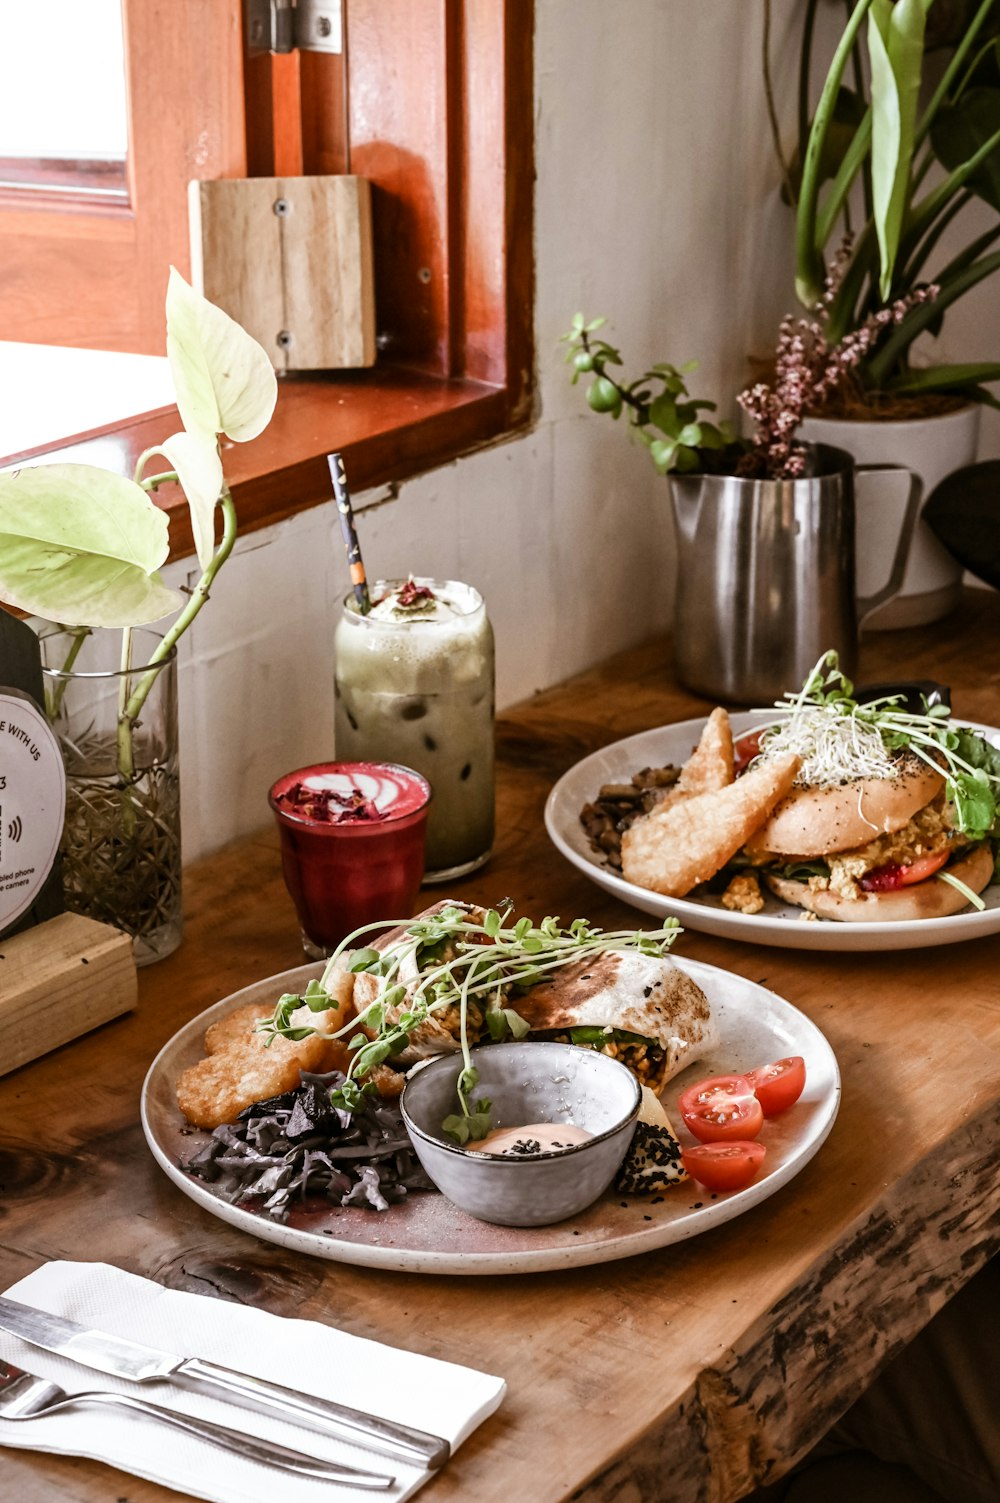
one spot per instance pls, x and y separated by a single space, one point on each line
65 100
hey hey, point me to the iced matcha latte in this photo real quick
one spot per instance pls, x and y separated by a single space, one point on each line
414 684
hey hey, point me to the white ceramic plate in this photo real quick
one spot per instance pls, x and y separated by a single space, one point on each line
779 923
427 1234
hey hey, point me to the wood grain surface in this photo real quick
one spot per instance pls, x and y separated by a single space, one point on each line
685 1376
290 258
79 973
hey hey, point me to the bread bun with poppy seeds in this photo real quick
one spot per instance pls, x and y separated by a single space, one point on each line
817 821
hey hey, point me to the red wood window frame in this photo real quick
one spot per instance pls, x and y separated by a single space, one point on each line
435 107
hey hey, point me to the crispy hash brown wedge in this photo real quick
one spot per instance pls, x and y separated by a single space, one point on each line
670 850
240 1067
711 764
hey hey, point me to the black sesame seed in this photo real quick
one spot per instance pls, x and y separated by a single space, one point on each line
698 1204
647 1218
430 743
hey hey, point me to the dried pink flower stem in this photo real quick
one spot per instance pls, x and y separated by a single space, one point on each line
806 371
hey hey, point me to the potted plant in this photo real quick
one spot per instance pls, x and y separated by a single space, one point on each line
765 525
82 552
894 158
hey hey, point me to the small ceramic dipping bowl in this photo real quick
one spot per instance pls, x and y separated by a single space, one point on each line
527 1083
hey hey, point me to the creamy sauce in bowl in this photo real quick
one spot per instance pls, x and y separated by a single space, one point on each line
530 1141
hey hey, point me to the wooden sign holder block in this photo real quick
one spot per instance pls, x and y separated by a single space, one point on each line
58 980
290 258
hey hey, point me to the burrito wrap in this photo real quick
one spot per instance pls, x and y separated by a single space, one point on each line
624 990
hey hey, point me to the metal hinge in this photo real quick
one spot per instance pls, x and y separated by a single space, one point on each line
295 25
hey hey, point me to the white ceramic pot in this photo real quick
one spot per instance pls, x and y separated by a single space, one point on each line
932 448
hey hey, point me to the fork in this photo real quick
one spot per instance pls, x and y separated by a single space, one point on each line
25 1397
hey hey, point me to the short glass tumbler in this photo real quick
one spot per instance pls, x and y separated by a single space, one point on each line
421 692
355 870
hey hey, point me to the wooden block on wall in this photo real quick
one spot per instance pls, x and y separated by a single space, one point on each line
290 258
58 980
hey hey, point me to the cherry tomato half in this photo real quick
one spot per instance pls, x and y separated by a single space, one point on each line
721 1108
778 1086
892 876
745 748
724 1166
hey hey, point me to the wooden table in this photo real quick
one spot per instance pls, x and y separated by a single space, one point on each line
688 1374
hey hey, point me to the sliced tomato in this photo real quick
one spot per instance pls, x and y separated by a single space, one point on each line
778 1086
892 876
724 1166
721 1108
745 748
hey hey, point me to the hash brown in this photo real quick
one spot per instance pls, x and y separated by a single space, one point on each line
670 850
241 1067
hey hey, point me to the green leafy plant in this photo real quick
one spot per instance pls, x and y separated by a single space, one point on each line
661 413
808 365
894 172
461 962
82 547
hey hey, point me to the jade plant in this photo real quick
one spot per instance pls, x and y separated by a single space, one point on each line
660 412
83 546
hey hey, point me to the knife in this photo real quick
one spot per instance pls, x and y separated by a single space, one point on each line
144 1364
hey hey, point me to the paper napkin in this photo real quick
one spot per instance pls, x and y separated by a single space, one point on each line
439 1397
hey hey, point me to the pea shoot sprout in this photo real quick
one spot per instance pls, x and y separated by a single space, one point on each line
464 960
839 740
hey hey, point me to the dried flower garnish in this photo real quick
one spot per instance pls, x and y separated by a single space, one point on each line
327 806
806 370
413 596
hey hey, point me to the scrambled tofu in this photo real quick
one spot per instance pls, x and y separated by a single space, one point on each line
743 895
929 830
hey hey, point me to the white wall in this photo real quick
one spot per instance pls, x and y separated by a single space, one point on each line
656 205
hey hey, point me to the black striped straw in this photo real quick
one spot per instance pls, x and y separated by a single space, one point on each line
345 512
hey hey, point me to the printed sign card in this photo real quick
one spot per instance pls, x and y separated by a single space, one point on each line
32 786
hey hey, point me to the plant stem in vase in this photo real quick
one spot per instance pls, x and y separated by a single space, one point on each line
121 845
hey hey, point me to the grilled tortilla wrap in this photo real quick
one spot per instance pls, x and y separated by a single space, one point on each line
641 1009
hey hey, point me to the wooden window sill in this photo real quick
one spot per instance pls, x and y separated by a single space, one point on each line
389 423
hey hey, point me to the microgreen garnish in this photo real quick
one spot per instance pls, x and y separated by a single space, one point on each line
839 739
459 961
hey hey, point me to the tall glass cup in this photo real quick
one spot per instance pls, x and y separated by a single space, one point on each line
414 684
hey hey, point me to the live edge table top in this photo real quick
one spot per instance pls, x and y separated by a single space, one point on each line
686 1375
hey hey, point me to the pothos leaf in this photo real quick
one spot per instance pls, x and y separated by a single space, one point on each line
223 379
81 546
196 458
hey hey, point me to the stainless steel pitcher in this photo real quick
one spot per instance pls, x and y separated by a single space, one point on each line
766 572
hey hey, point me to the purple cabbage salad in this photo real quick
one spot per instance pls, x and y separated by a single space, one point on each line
282 1150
